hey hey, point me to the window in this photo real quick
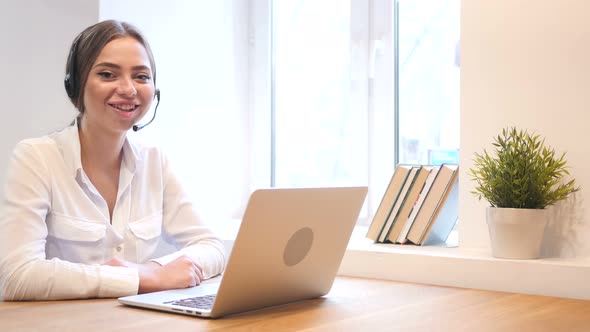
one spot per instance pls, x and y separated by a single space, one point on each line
356 87
320 133
428 62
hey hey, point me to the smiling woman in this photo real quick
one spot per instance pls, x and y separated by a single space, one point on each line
86 208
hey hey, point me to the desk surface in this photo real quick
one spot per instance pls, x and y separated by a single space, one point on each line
352 305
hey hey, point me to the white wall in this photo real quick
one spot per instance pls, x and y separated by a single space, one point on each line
35 36
526 63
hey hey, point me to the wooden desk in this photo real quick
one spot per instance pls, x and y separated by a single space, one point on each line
352 305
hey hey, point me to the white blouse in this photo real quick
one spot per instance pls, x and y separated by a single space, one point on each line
55 230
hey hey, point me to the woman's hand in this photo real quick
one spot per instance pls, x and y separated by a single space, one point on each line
182 272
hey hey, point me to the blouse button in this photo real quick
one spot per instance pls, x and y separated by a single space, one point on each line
119 248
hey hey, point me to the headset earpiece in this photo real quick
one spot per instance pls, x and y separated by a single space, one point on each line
68 85
70 82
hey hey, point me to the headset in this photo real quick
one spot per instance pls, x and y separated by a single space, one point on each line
73 86
70 81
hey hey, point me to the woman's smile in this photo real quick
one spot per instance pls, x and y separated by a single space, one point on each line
124 106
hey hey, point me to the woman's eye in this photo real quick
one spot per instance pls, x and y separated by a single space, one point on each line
106 74
143 77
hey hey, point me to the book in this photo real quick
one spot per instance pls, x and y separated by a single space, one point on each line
421 197
399 229
398 203
444 219
446 176
391 194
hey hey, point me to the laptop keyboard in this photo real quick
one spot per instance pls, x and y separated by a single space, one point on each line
201 302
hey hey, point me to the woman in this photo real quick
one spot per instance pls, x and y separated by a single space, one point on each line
85 208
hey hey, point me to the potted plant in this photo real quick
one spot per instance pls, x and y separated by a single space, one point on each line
521 179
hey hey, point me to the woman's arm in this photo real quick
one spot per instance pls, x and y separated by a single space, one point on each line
182 272
25 273
182 223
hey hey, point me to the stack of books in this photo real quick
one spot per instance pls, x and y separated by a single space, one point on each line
420 206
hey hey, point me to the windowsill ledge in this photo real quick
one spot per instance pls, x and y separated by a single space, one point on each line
465 268
457 267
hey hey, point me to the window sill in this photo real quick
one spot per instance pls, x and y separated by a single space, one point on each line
456 267
465 268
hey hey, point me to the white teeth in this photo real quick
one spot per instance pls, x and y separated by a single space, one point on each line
124 107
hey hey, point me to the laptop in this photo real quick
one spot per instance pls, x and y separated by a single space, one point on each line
288 249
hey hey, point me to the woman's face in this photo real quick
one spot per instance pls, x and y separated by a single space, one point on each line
120 88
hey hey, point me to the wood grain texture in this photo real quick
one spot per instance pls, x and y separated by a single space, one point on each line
352 305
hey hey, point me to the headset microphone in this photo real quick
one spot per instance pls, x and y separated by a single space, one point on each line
157 95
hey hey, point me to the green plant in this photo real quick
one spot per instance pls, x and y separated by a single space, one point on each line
524 173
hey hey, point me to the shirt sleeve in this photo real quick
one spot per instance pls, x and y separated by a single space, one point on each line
182 223
25 273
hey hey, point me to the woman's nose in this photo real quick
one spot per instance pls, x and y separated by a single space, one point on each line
126 87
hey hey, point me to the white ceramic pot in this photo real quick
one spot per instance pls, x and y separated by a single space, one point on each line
516 233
